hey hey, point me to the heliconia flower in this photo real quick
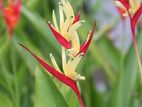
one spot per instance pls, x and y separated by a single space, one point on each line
72 51
66 33
11 14
133 9
129 6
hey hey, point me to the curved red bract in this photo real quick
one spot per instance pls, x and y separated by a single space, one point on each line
136 16
59 37
86 44
66 80
77 18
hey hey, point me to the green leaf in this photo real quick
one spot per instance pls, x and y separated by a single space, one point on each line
46 92
40 25
110 52
5 101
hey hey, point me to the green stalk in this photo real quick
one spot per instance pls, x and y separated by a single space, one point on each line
16 86
136 49
122 49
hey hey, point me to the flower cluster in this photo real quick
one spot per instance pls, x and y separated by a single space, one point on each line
132 9
72 52
67 36
126 6
11 14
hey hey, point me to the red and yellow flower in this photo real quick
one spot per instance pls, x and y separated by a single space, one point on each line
72 52
126 6
132 9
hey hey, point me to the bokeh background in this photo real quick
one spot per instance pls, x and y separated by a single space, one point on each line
110 65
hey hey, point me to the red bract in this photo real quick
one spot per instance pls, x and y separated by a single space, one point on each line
11 14
66 44
121 12
86 44
125 3
59 37
133 18
66 80
77 18
136 16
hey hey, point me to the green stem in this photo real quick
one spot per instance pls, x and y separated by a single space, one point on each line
16 86
122 49
136 50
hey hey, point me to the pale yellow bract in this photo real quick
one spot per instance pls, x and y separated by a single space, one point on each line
70 59
133 6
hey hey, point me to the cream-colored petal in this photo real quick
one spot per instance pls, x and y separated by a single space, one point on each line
55 63
64 60
68 23
55 21
119 4
70 9
72 52
75 26
74 62
61 18
71 68
71 75
75 43
134 4
67 8
79 77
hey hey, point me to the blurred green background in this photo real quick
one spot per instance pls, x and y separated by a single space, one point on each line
110 65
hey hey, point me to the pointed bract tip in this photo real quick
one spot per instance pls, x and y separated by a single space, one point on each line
77 17
49 22
23 46
84 47
94 26
20 44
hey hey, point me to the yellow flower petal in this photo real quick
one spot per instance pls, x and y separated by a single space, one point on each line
79 77
64 60
120 5
75 26
74 62
54 63
75 43
67 8
61 19
55 21
134 4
